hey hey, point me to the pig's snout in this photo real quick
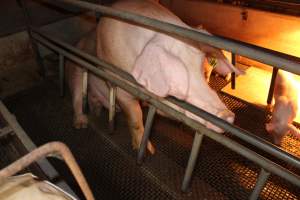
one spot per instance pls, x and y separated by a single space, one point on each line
226 115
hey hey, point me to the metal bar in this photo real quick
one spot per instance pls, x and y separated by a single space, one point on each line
57 148
112 108
192 161
35 48
272 85
238 132
62 75
233 61
147 131
84 91
260 54
5 131
261 181
164 106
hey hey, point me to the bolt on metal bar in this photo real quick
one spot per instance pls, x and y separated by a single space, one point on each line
192 161
236 131
261 181
112 108
147 131
164 106
61 75
260 54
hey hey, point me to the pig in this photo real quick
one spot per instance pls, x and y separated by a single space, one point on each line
97 89
285 107
165 64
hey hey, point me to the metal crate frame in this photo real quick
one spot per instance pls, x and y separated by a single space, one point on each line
125 81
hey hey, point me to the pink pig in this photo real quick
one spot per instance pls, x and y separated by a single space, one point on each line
285 108
166 65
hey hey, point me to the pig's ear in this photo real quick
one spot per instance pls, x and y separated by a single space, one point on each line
221 63
231 67
294 131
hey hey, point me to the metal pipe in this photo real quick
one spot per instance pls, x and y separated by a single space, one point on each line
43 151
238 132
261 181
84 91
192 161
147 131
61 75
112 108
272 85
164 106
260 54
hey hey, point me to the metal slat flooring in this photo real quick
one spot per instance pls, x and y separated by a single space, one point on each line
109 163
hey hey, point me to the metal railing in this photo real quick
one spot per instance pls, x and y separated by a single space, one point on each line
125 81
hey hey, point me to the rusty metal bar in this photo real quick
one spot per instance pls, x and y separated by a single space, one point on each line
164 105
147 131
62 75
260 54
112 108
192 161
261 181
49 149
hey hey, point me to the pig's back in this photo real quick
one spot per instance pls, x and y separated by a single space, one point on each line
120 43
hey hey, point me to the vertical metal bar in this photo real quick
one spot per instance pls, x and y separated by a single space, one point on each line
112 108
84 91
35 48
192 161
98 14
62 74
261 181
233 61
148 125
272 85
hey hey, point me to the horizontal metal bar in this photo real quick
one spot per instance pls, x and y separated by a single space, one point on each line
164 106
267 56
238 132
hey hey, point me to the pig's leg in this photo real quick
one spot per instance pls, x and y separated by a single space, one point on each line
132 109
74 78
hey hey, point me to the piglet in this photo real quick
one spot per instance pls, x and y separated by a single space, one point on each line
285 107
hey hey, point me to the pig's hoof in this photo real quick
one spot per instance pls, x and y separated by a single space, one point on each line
81 122
136 146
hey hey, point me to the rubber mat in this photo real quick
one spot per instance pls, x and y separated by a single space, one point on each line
109 162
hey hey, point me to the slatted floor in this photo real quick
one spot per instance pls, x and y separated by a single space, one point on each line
110 166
